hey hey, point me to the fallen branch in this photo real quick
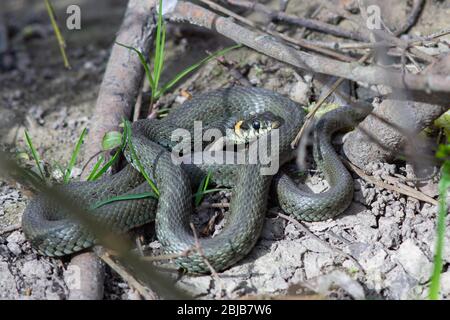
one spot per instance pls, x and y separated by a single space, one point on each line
188 12
377 32
124 73
91 277
297 42
117 96
412 18
311 24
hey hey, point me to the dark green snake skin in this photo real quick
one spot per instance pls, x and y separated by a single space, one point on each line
53 233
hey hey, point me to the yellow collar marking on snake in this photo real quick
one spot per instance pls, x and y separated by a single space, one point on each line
237 128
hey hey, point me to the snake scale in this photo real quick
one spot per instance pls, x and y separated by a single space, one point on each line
52 232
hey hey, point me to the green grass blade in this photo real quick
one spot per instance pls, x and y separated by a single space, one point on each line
444 185
159 49
135 158
95 168
107 165
74 156
143 62
202 193
191 68
59 37
159 66
208 177
124 198
35 155
202 188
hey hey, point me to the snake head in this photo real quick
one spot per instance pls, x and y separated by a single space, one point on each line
254 126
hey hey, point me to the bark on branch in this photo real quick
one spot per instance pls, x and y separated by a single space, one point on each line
188 12
124 73
117 96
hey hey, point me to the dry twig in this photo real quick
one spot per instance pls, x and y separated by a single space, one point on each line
9 229
124 73
125 275
302 22
394 185
379 33
117 96
297 42
185 11
200 251
412 18
169 256
310 115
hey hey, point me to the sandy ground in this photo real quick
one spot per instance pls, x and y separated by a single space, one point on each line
380 248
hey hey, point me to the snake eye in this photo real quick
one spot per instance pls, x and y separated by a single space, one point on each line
256 125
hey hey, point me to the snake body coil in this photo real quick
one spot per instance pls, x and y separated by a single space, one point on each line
53 233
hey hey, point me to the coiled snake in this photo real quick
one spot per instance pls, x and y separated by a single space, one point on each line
53 233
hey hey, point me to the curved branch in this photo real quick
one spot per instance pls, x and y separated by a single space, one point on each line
188 12
117 96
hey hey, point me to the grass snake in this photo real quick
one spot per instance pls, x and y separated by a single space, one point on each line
52 232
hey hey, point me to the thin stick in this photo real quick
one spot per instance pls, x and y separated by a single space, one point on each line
202 254
430 177
172 256
189 12
379 33
214 205
431 37
125 275
89 161
412 18
298 42
283 5
368 45
117 95
139 246
9 229
311 114
137 107
400 188
302 22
